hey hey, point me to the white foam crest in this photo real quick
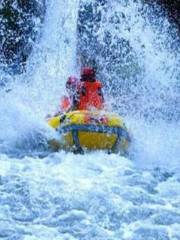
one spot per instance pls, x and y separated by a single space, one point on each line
56 52
30 96
153 92
152 55
155 144
53 59
22 131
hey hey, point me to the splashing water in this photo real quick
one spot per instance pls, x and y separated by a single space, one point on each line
34 94
137 55
95 196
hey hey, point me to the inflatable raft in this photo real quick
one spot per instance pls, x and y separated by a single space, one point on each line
87 130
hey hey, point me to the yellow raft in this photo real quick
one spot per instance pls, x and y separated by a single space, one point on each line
80 130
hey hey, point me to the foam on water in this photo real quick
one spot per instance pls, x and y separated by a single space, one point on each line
37 92
155 144
65 196
93 196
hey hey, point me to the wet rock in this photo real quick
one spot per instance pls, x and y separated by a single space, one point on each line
20 23
172 10
96 43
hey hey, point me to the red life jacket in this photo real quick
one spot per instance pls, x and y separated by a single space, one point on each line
65 104
90 95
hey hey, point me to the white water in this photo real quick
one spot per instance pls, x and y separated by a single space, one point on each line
155 94
67 196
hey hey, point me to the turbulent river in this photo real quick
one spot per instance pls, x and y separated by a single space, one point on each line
63 196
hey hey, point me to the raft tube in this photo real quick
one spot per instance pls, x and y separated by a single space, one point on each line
89 130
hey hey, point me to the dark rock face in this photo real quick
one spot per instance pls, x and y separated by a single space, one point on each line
172 7
118 64
90 16
20 22
102 50
88 24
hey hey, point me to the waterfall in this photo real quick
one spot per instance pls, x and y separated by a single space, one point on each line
99 196
136 52
29 97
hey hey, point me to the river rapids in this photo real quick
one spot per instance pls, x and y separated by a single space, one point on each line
63 196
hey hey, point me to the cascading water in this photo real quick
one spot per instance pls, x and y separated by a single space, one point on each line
136 56
136 52
94 196
42 85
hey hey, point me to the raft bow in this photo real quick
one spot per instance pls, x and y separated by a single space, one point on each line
92 131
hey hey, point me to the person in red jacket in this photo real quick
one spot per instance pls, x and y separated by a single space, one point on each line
89 91
67 101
